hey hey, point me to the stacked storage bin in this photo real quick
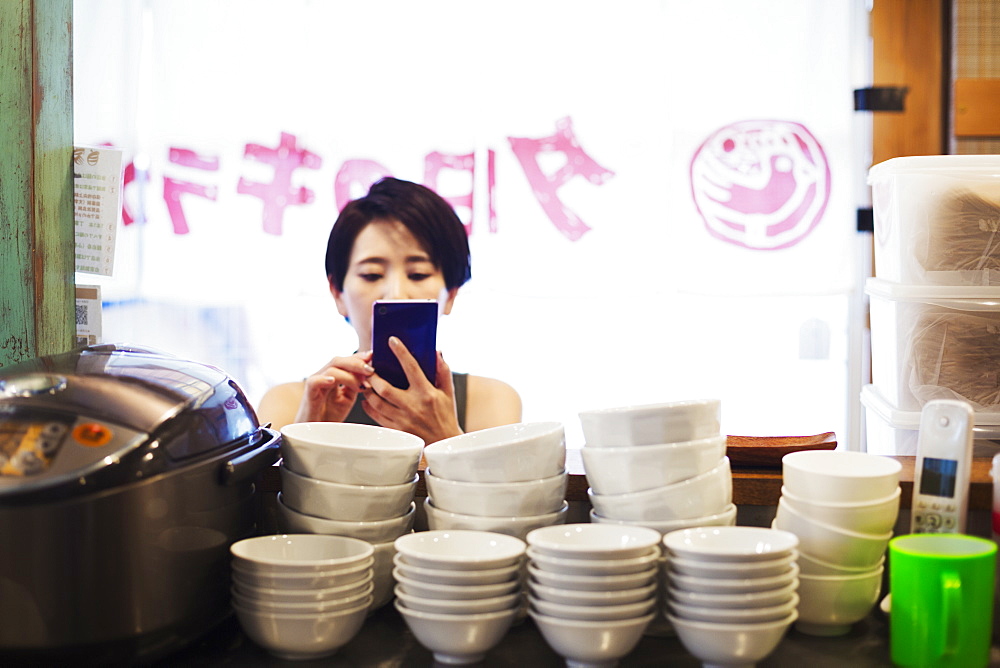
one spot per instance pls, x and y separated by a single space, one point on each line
935 298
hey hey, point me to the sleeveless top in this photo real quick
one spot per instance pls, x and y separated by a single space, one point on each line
358 415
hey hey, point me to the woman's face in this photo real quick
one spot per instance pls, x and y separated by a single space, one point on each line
387 262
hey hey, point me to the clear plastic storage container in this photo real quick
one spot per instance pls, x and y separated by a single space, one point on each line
937 219
935 342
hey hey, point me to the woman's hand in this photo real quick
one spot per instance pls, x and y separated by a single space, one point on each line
423 409
330 393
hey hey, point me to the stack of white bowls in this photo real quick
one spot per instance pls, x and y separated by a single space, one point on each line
351 480
458 591
302 596
661 466
731 591
843 507
592 589
509 479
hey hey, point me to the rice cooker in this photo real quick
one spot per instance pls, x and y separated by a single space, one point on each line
125 475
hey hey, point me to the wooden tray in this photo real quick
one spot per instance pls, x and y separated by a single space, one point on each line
767 451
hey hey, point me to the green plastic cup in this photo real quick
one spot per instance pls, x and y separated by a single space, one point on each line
942 600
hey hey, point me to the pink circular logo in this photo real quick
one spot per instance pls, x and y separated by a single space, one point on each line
761 184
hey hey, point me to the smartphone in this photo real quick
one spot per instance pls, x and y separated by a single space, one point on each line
943 466
412 321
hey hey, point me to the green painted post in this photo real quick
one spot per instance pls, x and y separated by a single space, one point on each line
36 179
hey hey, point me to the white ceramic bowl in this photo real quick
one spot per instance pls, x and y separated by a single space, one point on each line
460 550
461 606
350 600
705 494
373 531
588 597
338 501
734 585
453 592
830 604
749 599
838 476
474 576
457 639
509 453
303 595
298 637
876 516
599 566
830 543
299 553
731 644
748 615
651 424
593 612
518 526
312 580
594 582
498 499
810 565
382 573
730 543
593 541
587 642
354 454
638 467
705 568
726 518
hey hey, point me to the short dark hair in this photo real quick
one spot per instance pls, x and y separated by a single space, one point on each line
424 213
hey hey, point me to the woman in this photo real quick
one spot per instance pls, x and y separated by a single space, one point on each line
400 241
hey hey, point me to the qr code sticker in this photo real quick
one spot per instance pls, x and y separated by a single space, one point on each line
81 314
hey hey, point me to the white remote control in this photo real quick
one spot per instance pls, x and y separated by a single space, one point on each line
944 462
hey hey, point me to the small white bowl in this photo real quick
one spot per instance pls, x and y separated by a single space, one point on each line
839 476
588 597
731 644
876 516
315 580
453 592
382 574
735 585
475 576
638 467
594 582
726 518
705 494
651 424
508 453
730 543
461 606
593 612
299 637
518 526
373 531
303 595
498 499
811 565
593 541
460 550
749 599
830 604
354 454
705 568
587 642
339 501
838 546
458 639
304 607
598 566
748 615
299 553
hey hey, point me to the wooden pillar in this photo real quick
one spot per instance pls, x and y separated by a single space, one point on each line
36 179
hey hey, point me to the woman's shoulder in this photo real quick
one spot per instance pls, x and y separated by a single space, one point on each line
491 403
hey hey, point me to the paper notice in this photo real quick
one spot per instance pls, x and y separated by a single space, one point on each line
88 315
97 197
